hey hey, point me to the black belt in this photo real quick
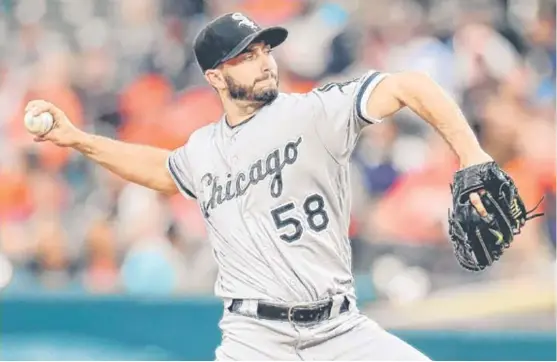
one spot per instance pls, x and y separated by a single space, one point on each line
296 313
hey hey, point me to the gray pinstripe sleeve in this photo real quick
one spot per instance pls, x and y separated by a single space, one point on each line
179 167
340 112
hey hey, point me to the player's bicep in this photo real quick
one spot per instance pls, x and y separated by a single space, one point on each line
383 102
168 183
179 169
395 92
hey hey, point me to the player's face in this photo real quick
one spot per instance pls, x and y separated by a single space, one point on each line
252 76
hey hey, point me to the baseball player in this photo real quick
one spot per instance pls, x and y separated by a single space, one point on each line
271 180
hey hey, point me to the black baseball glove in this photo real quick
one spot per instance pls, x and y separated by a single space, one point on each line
479 241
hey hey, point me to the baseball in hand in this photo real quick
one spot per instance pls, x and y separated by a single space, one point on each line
39 125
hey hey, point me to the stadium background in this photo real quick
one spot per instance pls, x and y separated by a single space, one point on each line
92 267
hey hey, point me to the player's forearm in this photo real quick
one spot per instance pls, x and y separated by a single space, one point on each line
427 99
139 164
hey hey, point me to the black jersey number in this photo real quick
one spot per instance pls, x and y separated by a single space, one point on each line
316 218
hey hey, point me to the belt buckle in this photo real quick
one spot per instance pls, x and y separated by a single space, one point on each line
291 309
290 313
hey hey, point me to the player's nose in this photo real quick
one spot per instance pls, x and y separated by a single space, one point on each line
265 61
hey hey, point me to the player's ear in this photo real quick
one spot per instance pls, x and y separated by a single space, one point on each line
215 78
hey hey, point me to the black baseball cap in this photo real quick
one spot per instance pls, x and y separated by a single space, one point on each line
229 35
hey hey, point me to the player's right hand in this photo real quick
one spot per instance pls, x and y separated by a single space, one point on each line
63 132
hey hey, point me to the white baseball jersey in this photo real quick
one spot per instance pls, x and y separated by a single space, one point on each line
275 193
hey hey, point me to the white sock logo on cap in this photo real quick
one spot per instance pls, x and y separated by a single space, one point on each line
243 20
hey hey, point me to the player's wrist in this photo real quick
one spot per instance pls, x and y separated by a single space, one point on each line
82 140
475 157
470 152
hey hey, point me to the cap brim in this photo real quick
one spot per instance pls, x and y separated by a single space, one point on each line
272 36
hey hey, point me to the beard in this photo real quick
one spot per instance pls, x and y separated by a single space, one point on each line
243 92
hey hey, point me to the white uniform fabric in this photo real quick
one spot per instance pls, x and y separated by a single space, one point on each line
275 195
349 337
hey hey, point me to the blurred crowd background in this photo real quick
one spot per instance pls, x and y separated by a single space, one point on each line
125 69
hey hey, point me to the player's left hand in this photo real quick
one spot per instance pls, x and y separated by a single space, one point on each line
478 158
487 212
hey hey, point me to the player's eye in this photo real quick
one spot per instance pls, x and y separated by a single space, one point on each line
249 56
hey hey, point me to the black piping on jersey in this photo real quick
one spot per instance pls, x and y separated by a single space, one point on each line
249 118
241 123
360 95
180 183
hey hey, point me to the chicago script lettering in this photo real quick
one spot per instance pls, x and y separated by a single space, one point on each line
269 167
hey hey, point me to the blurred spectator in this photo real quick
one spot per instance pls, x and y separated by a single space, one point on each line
101 269
53 265
148 268
414 209
376 157
151 263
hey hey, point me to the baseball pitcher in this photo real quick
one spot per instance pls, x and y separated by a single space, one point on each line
271 180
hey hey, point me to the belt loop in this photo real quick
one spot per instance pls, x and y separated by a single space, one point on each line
249 307
290 314
335 308
352 306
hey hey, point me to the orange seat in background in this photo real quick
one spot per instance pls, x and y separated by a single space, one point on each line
173 124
